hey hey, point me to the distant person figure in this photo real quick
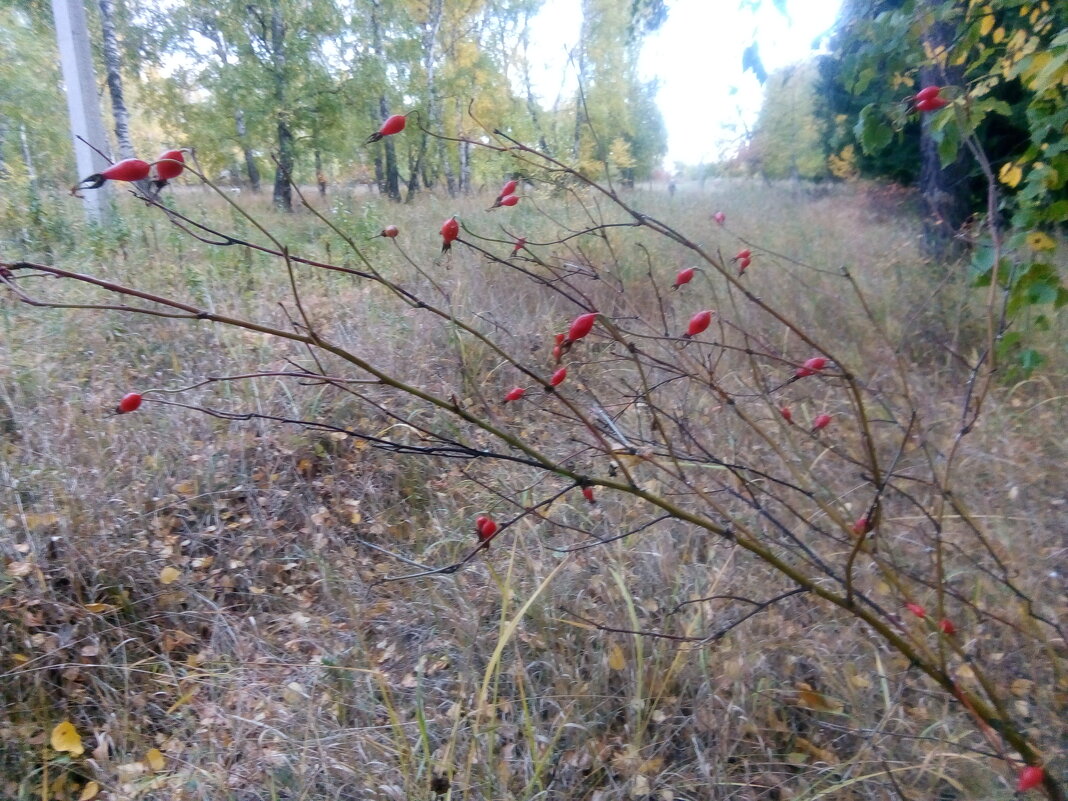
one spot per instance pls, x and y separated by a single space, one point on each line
671 188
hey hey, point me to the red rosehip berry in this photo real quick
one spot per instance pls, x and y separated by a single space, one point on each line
581 326
514 394
811 367
450 231
930 99
917 610
698 323
684 277
170 164
486 529
508 189
392 125
861 525
932 104
125 170
130 402
1029 778
787 415
587 493
946 627
720 217
389 232
520 243
509 200
558 377
821 421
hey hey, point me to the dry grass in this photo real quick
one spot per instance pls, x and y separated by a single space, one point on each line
275 667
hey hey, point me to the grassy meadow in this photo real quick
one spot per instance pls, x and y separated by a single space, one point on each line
201 595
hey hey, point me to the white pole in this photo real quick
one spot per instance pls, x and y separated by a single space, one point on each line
76 58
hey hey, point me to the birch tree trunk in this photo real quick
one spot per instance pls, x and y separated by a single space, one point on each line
113 67
430 65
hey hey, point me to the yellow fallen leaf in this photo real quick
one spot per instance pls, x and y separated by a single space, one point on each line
154 759
1036 240
98 609
42 520
1010 174
822 754
20 569
169 575
66 738
89 792
811 699
616 660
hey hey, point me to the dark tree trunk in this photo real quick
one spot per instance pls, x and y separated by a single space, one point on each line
944 189
446 165
250 160
380 173
320 176
113 66
283 194
388 179
392 176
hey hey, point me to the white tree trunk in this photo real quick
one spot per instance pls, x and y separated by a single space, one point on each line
76 59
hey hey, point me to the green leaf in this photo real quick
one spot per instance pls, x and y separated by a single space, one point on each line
1009 341
949 144
1030 359
872 131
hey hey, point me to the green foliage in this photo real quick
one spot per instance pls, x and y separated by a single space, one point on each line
789 139
1008 110
615 103
34 139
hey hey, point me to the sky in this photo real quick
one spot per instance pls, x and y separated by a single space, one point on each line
696 56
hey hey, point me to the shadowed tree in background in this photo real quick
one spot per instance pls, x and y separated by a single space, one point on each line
1002 55
944 186
266 71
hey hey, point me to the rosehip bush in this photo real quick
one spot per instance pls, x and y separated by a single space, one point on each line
663 423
